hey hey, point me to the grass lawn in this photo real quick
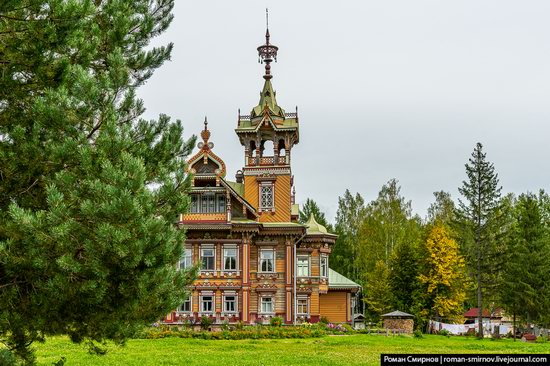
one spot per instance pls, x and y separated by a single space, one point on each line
331 350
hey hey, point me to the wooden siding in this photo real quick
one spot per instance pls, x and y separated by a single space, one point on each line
282 198
334 306
282 201
251 190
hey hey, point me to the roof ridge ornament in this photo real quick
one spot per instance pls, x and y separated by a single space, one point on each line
205 134
267 52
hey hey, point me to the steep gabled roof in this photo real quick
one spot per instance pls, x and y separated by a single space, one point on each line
239 197
206 154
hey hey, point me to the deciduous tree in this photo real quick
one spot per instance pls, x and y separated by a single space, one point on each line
443 274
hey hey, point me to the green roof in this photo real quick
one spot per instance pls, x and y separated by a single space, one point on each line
268 105
267 98
313 227
237 187
243 221
336 280
281 224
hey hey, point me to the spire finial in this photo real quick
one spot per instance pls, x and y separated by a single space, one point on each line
267 52
205 134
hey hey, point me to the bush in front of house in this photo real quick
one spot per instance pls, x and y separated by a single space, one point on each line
206 322
248 332
276 321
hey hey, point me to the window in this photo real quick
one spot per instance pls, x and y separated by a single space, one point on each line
186 260
267 305
208 203
211 203
221 204
267 260
194 203
303 266
186 306
301 306
230 304
266 197
324 266
230 259
207 304
204 203
207 259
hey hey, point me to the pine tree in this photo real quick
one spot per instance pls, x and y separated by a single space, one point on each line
89 192
479 226
311 207
525 290
443 274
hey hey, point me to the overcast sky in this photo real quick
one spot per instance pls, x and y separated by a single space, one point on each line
385 89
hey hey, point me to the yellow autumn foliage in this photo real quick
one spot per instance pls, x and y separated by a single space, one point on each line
444 275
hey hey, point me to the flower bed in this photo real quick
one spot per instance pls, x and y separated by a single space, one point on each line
306 330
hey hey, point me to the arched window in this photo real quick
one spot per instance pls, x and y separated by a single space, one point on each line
281 147
267 148
252 151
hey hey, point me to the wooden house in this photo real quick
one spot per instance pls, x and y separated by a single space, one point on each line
256 260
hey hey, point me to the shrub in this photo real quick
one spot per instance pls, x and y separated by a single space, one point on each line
206 322
418 334
174 328
324 320
276 321
444 332
225 325
541 339
7 358
347 327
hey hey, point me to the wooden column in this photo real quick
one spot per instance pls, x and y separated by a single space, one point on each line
289 261
246 278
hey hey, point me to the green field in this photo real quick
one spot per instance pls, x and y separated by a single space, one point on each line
331 350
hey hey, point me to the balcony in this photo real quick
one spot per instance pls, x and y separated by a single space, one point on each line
267 161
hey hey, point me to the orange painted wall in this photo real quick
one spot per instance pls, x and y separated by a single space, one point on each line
251 190
334 306
282 198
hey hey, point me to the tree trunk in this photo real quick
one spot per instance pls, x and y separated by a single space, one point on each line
479 301
514 326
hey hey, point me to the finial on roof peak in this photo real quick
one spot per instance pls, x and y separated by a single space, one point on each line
205 134
267 52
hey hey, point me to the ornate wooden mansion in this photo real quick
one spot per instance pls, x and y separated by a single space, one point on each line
256 260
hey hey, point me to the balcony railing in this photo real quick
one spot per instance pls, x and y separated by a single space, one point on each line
267 160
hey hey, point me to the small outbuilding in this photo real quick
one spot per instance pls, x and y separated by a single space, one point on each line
398 321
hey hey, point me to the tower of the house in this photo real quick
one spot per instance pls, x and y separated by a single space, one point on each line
268 135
